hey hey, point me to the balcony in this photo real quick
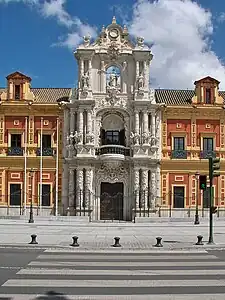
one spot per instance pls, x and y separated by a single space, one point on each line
207 154
45 152
15 151
179 154
113 151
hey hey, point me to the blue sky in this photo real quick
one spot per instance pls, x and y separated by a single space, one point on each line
38 37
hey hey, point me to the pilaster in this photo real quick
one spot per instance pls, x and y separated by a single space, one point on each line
31 130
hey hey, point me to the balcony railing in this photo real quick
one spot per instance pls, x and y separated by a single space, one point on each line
207 154
45 152
113 149
179 154
15 151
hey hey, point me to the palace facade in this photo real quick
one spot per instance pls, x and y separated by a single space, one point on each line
193 130
30 147
113 148
112 130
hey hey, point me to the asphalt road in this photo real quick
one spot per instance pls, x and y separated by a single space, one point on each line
25 271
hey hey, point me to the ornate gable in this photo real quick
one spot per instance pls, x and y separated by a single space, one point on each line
19 76
206 92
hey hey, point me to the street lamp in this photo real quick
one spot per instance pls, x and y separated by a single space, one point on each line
31 219
197 174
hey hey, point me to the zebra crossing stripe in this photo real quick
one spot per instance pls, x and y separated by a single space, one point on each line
127 257
72 272
111 283
126 264
125 251
119 297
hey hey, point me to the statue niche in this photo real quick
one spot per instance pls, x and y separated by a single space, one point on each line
113 83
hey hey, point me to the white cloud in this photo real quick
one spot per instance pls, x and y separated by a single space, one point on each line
180 31
221 17
56 9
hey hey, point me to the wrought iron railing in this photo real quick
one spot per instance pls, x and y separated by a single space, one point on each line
207 154
113 149
15 151
45 152
179 154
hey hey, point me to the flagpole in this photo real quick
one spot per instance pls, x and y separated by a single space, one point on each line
41 165
25 167
57 169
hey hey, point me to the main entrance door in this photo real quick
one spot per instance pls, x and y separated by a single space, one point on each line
111 201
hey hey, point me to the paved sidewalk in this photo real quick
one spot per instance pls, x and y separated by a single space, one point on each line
142 236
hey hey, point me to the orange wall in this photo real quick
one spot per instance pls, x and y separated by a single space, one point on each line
172 127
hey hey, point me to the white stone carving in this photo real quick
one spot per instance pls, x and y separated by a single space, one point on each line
75 138
140 84
135 138
85 81
113 51
87 40
140 42
110 174
90 138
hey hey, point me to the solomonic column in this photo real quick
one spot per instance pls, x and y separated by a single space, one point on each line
80 188
144 188
88 188
153 188
136 187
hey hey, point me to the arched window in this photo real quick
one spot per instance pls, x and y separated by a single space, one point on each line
113 76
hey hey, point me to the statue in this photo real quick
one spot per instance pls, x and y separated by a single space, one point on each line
135 138
112 80
87 40
140 82
85 80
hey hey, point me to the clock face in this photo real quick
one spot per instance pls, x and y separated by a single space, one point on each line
113 33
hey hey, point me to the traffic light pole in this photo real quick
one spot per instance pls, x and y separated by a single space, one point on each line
210 213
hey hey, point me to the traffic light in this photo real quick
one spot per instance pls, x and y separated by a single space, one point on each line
214 209
214 166
202 182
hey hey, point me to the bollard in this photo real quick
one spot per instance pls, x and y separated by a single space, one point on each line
199 242
33 239
75 243
158 242
117 242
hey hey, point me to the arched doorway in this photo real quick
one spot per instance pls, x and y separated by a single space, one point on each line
111 201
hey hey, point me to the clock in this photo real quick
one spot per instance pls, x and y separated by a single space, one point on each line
113 33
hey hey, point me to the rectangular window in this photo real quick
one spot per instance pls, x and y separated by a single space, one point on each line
206 197
208 96
46 194
178 143
17 92
112 137
46 141
15 194
178 197
16 140
208 144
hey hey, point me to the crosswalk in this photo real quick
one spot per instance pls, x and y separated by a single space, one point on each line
159 275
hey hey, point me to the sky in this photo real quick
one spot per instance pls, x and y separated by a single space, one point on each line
38 38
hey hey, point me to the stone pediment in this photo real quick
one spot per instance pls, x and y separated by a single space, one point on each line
18 75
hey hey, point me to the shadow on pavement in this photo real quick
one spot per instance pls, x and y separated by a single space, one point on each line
51 295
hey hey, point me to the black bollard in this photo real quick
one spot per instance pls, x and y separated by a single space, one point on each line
75 243
117 242
199 242
33 239
158 242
